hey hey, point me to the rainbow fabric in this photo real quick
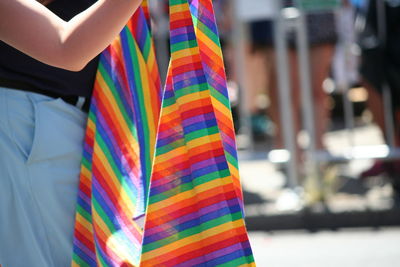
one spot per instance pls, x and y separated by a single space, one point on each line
118 151
184 176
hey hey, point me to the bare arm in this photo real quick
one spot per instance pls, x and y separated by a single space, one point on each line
33 29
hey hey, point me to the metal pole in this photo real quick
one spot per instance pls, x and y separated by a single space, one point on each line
239 37
285 104
308 115
347 104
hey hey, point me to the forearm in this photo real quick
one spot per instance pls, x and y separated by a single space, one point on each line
31 28
92 31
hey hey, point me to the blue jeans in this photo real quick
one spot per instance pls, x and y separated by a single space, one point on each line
41 143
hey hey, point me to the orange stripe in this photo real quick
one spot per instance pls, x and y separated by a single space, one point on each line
195 246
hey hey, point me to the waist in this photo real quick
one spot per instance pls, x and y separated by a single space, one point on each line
80 102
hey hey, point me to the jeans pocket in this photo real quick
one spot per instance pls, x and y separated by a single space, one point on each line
20 120
59 131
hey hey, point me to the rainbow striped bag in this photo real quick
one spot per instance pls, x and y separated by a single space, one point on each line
159 182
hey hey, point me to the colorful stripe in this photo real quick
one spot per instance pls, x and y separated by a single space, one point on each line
173 167
119 150
195 211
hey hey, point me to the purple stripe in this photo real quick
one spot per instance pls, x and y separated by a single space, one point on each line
111 206
86 250
170 133
188 75
184 172
171 224
216 81
206 163
84 197
181 30
173 131
214 254
170 178
198 118
228 140
116 151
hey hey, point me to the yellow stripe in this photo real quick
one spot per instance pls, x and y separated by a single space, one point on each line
221 107
193 97
185 53
91 125
116 111
210 44
97 219
85 223
85 172
146 91
182 150
158 206
191 239
168 110
192 144
170 155
234 171
110 175
178 8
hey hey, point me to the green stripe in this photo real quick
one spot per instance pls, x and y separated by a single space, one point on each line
87 164
176 2
200 133
102 261
115 169
78 260
92 117
168 102
207 31
147 47
191 89
116 96
104 217
237 262
192 231
84 213
144 117
190 185
183 45
171 146
232 160
220 97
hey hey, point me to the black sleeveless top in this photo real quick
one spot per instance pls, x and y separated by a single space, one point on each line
23 72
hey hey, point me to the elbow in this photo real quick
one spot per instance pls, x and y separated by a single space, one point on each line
74 67
71 63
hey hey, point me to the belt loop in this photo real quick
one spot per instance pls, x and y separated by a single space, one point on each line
80 102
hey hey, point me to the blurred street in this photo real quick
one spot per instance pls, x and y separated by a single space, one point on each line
356 248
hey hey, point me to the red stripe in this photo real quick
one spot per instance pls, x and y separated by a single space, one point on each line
205 250
196 203
123 219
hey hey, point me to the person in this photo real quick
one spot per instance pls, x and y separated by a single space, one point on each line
33 29
43 118
380 67
322 38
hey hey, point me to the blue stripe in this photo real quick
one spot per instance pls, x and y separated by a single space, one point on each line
202 125
228 258
201 219
189 177
88 260
135 85
115 155
189 36
190 82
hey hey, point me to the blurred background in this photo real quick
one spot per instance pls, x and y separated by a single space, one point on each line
315 94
